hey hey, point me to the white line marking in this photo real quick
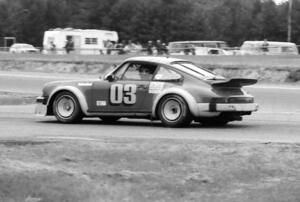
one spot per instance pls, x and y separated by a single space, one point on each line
275 87
286 113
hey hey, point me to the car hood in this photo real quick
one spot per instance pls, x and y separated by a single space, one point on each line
51 86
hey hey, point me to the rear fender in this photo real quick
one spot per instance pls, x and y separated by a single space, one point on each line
190 100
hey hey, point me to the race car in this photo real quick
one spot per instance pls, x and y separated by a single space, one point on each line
174 91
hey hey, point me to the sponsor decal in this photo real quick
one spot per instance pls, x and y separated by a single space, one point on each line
156 87
101 103
85 84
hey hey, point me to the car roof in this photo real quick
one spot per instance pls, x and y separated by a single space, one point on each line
197 42
21 44
278 43
155 59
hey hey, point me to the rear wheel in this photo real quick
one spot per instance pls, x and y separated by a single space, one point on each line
173 111
109 119
66 108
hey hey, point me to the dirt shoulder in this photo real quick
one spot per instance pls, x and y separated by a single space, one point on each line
148 170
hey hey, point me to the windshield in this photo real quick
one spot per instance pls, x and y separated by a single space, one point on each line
194 70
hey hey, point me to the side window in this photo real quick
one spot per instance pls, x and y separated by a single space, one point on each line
118 74
166 74
139 71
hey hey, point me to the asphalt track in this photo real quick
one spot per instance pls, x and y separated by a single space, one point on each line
278 119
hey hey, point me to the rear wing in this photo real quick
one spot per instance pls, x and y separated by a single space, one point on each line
235 82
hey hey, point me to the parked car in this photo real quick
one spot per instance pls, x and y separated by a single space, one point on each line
199 48
23 48
172 90
268 48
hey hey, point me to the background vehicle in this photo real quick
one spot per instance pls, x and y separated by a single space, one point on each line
198 48
172 90
86 41
23 48
271 48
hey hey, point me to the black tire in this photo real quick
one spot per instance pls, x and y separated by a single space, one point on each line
173 111
109 119
66 108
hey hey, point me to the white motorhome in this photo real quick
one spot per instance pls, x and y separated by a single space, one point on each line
86 41
268 48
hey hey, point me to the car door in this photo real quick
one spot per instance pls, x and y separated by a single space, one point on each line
127 92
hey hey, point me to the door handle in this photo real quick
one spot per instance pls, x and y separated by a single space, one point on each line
141 87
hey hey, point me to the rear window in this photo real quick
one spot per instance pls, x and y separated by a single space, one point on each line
192 69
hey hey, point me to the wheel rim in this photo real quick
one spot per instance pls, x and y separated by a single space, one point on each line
172 110
65 106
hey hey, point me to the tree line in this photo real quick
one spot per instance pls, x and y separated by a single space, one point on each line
233 21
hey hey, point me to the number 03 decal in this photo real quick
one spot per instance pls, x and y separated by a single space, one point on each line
123 94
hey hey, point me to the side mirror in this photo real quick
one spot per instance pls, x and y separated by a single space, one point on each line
110 77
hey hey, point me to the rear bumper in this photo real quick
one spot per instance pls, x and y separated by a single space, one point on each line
233 107
214 109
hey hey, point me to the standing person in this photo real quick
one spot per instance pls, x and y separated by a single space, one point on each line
119 48
159 47
149 48
69 45
109 47
52 47
130 47
138 47
265 46
164 49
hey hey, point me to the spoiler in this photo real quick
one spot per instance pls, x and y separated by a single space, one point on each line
235 82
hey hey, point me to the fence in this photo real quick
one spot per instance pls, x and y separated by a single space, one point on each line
271 50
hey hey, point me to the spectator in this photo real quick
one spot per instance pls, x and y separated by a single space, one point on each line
109 47
164 49
130 47
149 48
120 48
159 47
186 49
52 47
265 46
69 45
138 47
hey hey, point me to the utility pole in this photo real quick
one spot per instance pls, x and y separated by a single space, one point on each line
289 33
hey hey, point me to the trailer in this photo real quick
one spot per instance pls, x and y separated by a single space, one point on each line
84 41
268 48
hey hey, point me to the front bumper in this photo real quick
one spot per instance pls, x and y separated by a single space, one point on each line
214 109
41 107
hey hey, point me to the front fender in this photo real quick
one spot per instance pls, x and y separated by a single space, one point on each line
80 96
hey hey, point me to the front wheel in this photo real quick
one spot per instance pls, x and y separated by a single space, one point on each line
66 108
173 111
